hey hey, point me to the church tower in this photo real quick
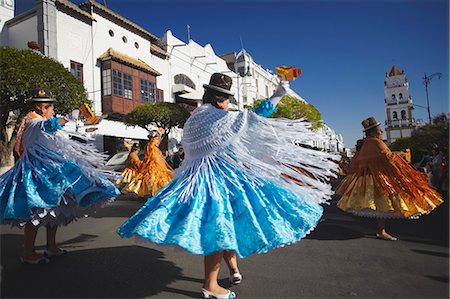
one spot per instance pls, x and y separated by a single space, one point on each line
398 106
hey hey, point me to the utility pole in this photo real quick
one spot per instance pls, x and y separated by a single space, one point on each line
426 81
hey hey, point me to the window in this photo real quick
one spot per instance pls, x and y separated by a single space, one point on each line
400 96
111 33
122 84
148 94
127 86
403 114
117 83
267 91
394 115
136 45
159 95
106 80
393 97
77 70
124 39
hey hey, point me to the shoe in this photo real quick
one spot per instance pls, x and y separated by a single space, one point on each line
387 238
51 254
210 295
236 278
41 260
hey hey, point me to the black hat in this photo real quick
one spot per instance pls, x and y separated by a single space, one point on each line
369 123
220 83
42 96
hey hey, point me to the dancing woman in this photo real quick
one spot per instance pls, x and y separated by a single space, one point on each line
382 184
54 182
231 193
154 172
132 165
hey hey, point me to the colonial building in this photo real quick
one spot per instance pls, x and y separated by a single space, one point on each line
398 106
122 65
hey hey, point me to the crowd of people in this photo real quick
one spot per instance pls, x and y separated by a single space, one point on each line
241 186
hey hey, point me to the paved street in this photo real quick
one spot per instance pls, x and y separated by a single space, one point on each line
340 259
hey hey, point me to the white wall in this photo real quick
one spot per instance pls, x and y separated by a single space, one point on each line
19 34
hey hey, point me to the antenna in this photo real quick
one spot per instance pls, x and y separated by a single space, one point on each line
242 43
188 32
104 3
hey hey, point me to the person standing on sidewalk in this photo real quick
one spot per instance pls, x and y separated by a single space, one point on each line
383 185
230 196
53 182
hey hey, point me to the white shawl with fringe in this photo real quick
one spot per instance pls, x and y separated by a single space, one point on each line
262 147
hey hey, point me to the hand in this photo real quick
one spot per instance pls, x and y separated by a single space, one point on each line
280 92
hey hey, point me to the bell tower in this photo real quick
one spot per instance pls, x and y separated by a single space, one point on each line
398 106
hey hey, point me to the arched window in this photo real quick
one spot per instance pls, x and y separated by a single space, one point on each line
400 96
183 79
394 115
403 114
393 97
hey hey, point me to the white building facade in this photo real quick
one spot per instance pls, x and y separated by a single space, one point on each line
398 106
123 65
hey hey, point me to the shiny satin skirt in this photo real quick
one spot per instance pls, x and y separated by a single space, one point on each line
367 196
225 210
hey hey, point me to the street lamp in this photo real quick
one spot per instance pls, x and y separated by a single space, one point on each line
426 81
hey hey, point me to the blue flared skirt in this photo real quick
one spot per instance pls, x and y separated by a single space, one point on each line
225 210
51 190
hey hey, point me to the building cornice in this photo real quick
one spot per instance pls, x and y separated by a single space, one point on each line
75 8
22 17
118 18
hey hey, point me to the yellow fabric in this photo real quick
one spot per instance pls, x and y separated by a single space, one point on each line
154 173
132 165
385 183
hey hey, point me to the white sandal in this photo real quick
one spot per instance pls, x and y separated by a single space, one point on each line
236 278
210 295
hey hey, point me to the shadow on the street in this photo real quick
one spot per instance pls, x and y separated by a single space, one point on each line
433 253
123 207
333 230
116 272
442 278
430 229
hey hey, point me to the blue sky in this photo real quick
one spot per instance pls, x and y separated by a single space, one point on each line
344 48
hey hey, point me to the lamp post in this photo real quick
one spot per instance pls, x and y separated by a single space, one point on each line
426 81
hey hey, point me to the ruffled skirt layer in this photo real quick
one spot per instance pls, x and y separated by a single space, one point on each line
126 176
148 183
225 209
380 195
45 191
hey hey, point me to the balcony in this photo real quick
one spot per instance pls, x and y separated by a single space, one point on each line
400 123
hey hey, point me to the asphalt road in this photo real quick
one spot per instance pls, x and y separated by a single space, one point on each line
341 258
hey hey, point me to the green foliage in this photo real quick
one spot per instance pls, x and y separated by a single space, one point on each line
23 71
161 114
294 108
423 138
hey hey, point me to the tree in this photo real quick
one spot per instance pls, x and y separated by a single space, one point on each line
22 72
161 114
422 139
294 108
